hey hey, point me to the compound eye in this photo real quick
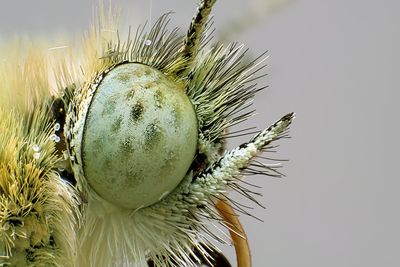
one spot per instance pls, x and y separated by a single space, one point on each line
139 137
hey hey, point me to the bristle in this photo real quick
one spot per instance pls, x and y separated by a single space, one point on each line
221 88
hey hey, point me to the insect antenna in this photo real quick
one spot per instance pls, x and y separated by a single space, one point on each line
194 36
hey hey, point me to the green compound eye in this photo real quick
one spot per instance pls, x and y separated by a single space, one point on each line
139 136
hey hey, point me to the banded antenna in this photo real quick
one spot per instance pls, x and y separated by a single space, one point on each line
194 35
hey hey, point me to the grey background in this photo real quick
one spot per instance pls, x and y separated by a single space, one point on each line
336 64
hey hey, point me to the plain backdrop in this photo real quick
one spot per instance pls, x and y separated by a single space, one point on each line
336 64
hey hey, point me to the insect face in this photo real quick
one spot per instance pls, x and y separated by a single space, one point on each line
124 162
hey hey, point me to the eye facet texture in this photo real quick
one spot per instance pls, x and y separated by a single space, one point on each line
139 137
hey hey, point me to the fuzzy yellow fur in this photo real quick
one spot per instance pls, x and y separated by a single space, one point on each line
38 210
39 214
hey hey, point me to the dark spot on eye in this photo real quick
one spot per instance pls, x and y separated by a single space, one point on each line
150 85
130 94
116 125
134 178
109 107
137 111
126 146
138 72
124 77
98 144
152 135
159 98
176 115
148 71
169 164
107 162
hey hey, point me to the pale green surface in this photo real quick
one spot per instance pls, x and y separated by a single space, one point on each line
140 136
